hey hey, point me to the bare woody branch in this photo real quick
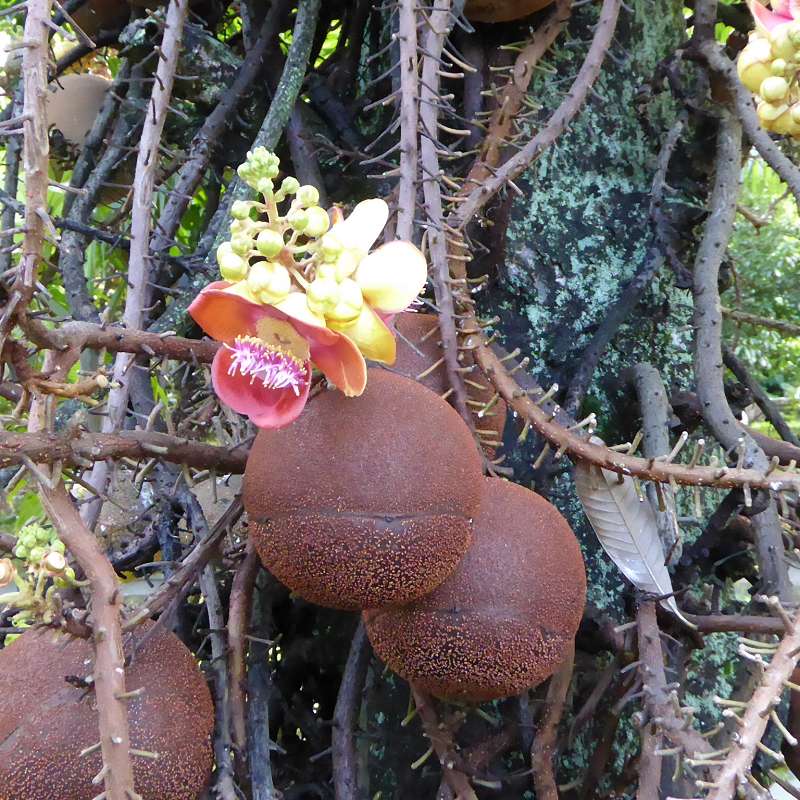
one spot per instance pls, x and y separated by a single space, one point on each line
438 25
409 117
753 722
81 449
139 270
708 362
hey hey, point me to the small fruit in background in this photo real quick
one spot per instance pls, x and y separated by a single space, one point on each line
48 716
505 619
73 103
365 501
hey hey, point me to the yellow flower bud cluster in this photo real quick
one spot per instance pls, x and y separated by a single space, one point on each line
768 66
260 253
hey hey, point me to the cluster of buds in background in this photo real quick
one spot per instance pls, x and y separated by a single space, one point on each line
42 571
768 66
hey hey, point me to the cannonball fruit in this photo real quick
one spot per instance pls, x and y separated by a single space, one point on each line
364 501
419 349
47 718
505 619
502 10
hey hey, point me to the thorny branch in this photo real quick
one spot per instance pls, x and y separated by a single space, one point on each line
139 265
708 363
438 24
753 720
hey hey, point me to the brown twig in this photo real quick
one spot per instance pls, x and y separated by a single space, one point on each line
789 328
81 448
115 339
556 125
510 98
657 698
544 744
753 722
438 24
139 267
724 623
240 605
345 715
35 157
442 742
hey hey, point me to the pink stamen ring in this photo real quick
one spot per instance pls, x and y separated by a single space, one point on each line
272 366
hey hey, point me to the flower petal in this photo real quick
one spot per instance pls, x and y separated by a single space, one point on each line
361 229
766 19
342 364
781 7
267 408
224 315
371 335
392 276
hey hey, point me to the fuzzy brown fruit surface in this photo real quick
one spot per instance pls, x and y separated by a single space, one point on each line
504 620
46 720
502 10
419 349
365 501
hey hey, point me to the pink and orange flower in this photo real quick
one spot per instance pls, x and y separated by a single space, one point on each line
332 315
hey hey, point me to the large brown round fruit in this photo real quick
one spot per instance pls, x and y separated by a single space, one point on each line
503 10
505 619
365 501
419 349
46 720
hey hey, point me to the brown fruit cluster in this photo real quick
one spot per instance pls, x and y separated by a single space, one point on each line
472 588
47 718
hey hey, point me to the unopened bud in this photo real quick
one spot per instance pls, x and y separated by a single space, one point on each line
54 563
101 381
231 266
289 185
318 222
269 243
241 245
7 572
308 195
778 67
240 209
754 62
774 88
298 219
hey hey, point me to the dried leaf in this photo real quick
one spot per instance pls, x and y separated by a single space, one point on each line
627 529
